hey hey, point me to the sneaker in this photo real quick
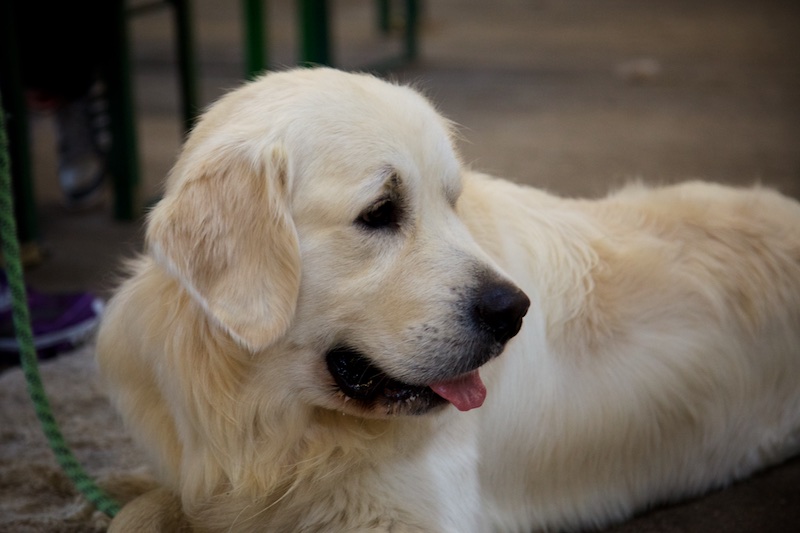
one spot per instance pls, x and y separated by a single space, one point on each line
60 322
83 141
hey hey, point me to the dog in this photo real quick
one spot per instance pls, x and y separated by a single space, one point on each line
337 326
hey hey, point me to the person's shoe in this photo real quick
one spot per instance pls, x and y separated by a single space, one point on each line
83 138
60 322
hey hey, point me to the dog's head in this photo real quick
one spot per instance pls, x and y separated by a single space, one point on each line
312 216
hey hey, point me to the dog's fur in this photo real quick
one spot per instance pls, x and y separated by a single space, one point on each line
658 359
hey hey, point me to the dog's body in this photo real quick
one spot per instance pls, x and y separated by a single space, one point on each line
323 278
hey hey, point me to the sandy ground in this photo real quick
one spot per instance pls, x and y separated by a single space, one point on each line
35 495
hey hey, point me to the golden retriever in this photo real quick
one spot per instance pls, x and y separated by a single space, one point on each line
312 340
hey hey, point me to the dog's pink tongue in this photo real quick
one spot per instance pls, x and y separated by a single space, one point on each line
465 392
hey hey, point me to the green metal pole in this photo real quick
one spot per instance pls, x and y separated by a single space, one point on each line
314 33
13 101
255 40
412 23
124 160
187 65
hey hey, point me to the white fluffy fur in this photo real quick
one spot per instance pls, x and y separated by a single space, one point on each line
659 358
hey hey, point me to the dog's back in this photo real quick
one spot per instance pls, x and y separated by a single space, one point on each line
662 356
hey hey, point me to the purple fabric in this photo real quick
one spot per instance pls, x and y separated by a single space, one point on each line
60 322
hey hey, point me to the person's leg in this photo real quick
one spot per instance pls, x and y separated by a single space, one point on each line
60 47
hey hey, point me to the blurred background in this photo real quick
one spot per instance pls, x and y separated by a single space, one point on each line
574 96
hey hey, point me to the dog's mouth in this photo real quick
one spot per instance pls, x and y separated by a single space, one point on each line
359 379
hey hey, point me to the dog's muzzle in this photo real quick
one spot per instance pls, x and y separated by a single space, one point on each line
492 315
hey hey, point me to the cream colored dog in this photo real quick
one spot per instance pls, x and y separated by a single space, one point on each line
298 350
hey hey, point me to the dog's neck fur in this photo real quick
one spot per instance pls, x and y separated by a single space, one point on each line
269 464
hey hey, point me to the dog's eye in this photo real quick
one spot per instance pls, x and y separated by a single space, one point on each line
384 214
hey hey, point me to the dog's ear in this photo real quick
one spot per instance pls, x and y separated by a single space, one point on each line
225 230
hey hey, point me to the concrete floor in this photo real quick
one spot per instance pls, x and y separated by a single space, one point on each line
575 96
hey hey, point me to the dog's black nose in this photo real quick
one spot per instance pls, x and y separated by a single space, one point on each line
500 308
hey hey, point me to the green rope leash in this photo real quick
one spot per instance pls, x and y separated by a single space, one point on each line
22 326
